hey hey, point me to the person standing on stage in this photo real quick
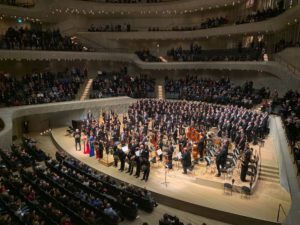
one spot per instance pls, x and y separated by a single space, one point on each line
146 169
86 144
77 137
122 158
186 160
201 145
138 165
170 156
222 157
116 156
131 160
100 149
92 146
245 163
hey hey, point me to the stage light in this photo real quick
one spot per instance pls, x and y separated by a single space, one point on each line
19 20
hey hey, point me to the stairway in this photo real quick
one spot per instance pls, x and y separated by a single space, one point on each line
269 173
159 89
86 91
80 91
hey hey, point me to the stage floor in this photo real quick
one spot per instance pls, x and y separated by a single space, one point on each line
195 188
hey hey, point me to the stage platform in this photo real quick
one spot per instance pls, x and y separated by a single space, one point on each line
199 192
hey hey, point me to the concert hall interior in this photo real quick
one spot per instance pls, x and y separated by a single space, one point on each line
145 112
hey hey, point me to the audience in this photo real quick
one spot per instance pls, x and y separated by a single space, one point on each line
196 53
64 189
264 14
29 3
288 108
109 84
38 88
290 113
221 91
36 39
110 28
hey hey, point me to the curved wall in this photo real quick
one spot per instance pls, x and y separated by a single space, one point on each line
285 79
45 116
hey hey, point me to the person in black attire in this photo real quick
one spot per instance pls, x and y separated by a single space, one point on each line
131 160
245 163
122 157
100 149
146 169
221 158
145 152
77 137
138 166
116 156
201 146
186 160
170 156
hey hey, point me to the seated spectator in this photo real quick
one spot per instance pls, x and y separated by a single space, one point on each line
110 212
37 88
109 84
35 39
196 53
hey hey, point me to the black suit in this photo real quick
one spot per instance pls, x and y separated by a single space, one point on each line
122 157
186 161
245 164
221 159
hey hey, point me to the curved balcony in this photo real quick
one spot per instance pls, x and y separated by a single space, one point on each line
45 7
286 78
267 26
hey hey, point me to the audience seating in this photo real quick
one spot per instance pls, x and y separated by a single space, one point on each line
34 39
288 108
235 54
221 91
111 84
38 88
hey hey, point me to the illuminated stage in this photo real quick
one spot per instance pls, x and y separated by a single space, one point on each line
200 192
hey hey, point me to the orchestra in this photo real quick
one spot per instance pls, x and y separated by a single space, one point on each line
158 130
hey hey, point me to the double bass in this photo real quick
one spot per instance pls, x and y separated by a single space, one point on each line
194 136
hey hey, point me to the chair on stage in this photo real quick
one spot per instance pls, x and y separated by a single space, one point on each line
229 187
246 191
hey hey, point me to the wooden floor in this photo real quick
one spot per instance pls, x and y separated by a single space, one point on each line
193 192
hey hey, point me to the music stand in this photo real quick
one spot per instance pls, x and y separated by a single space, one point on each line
165 182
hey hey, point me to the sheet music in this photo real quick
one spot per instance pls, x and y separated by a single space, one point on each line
179 155
125 148
159 152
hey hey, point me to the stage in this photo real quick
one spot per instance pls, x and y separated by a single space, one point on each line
200 192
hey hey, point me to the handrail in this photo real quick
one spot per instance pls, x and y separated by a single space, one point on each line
280 207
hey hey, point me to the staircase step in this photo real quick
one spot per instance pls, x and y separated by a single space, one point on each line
273 180
269 175
86 90
263 170
269 167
